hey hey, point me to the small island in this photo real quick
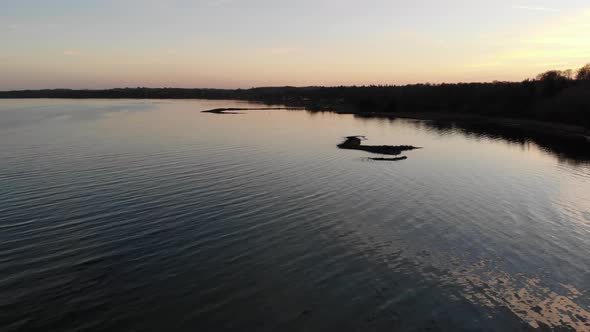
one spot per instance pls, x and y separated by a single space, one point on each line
235 110
354 143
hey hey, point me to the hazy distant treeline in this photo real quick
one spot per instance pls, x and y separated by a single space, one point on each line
559 96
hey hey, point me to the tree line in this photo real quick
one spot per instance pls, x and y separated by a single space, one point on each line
557 96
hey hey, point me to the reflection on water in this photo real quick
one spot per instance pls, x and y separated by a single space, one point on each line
569 149
149 215
528 298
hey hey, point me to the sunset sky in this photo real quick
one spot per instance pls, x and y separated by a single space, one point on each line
246 43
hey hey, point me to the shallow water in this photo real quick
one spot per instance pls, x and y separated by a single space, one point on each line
150 215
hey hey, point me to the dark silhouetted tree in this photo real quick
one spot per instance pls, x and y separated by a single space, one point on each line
584 73
552 82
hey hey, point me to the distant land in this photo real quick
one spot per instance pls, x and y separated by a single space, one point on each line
561 97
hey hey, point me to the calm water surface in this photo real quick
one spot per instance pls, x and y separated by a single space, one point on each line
121 215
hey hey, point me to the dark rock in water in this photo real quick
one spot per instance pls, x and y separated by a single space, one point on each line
390 159
354 143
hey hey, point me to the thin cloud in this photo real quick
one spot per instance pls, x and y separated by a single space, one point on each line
536 9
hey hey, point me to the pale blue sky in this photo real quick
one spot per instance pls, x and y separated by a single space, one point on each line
243 43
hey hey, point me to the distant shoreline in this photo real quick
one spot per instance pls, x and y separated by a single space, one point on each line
552 104
536 126
543 127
